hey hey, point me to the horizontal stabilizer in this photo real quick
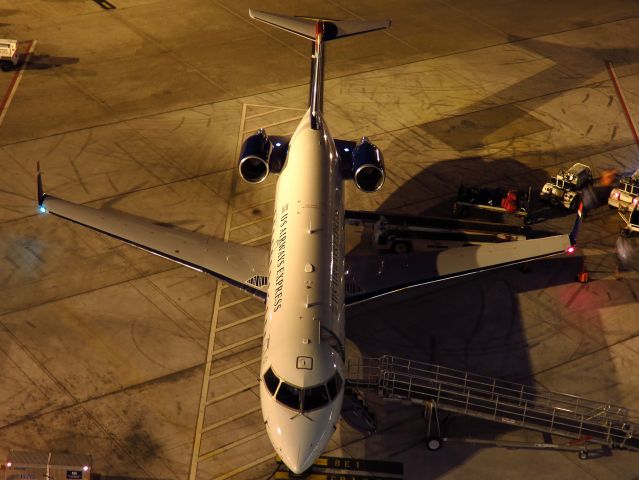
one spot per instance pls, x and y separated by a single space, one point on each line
307 27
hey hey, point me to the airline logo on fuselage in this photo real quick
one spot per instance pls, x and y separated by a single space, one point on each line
281 254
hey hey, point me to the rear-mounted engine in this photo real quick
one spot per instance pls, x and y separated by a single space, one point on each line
261 155
368 166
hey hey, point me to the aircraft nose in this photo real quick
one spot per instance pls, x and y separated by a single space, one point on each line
300 438
300 455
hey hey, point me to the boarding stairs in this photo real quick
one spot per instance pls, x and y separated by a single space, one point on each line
500 401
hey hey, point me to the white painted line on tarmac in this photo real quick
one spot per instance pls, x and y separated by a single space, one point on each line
15 81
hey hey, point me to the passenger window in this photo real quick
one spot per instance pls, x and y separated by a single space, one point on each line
289 396
334 385
271 381
314 397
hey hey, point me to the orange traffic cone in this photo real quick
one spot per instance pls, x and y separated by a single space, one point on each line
583 276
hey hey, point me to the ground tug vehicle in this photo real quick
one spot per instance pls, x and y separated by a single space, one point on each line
626 196
564 189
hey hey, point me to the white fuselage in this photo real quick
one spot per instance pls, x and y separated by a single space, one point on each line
304 325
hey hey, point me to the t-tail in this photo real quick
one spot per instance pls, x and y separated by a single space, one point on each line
318 31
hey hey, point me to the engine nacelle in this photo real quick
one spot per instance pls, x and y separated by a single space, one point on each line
254 157
368 166
261 155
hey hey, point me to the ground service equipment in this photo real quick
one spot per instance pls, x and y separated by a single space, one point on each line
8 54
626 195
499 200
565 188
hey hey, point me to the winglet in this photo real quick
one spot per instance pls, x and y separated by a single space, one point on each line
41 194
575 229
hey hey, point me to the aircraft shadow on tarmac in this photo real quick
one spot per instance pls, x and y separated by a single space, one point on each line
572 67
474 323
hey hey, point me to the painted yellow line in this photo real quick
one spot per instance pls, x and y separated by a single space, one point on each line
237 344
246 467
240 322
228 420
252 222
281 122
259 204
232 445
243 388
236 367
256 239
274 106
197 440
258 115
235 302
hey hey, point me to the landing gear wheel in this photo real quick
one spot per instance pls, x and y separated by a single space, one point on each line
401 247
433 443
583 454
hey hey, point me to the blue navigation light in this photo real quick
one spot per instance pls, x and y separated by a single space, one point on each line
42 209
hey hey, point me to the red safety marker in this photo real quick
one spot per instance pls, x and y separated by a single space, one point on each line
622 100
15 81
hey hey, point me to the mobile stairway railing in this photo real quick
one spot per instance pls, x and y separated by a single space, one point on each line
499 401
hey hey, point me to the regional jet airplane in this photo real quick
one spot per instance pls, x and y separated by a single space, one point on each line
307 279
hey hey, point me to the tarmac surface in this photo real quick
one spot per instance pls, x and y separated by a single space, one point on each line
152 368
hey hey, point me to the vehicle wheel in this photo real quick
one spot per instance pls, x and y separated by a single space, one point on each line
5 66
583 454
464 212
400 247
433 443
527 220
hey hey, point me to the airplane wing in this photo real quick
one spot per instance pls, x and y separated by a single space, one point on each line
242 266
373 276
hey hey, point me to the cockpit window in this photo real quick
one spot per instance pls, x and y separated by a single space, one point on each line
315 397
271 381
303 399
334 385
289 396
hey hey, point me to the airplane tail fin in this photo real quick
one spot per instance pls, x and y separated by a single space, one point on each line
307 27
319 31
